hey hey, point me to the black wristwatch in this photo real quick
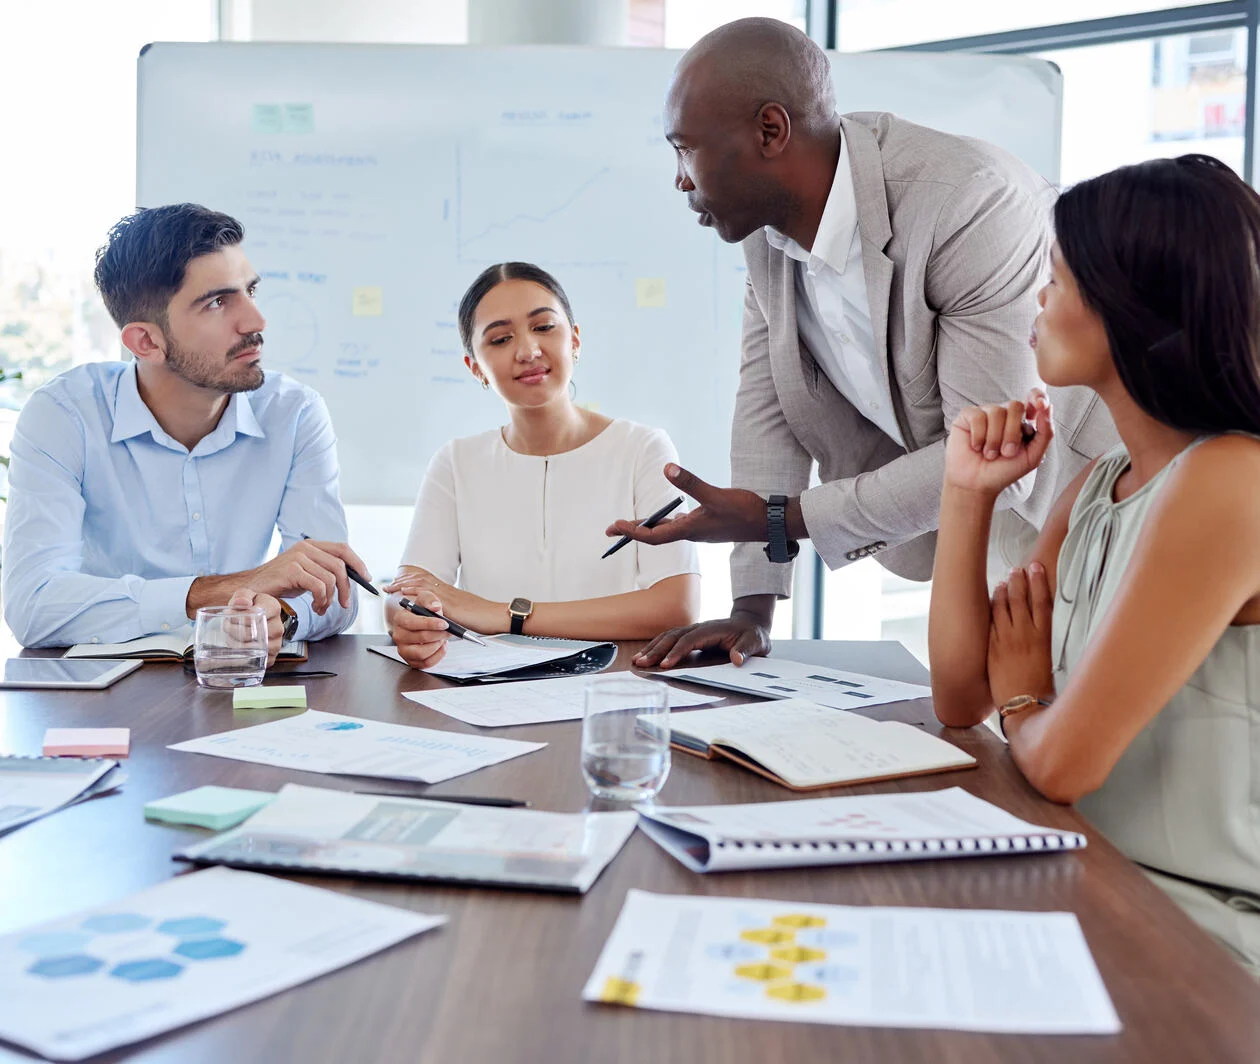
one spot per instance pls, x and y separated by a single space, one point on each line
290 621
519 610
778 547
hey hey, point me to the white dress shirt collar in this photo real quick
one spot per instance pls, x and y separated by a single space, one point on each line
132 417
836 228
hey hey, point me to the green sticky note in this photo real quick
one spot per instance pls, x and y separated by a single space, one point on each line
268 118
291 697
299 118
216 808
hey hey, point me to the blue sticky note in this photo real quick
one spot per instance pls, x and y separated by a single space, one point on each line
268 118
217 808
299 118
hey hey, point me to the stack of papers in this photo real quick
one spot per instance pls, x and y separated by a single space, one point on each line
514 657
191 947
535 701
959 969
32 787
776 678
309 829
351 746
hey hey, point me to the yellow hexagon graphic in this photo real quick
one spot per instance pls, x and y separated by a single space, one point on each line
620 992
768 936
763 973
798 954
798 920
797 993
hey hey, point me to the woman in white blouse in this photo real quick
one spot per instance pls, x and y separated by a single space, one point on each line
510 524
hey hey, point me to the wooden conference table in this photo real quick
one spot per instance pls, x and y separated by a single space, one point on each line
502 980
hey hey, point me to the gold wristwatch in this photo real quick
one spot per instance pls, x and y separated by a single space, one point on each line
1018 704
519 610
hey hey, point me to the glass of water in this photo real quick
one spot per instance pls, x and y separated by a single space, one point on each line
230 646
625 738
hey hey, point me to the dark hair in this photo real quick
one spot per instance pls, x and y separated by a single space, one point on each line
497 274
142 263
1167 253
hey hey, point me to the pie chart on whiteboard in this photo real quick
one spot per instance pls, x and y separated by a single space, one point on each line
291 337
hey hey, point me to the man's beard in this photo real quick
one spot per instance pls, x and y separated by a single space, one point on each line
194 369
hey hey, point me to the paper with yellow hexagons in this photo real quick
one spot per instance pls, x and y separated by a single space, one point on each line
957 969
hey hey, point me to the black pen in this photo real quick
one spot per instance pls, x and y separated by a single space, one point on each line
648 522
453 627
499 803
354 576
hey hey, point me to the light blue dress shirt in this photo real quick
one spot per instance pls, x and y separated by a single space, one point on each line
110 520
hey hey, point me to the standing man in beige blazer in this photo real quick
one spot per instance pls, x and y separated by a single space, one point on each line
893 273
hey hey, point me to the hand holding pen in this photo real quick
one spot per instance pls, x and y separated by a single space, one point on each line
651 521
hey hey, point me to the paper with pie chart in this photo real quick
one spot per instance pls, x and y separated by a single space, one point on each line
192 947
352 746
959 969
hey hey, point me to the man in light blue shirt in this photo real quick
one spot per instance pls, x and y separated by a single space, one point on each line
141 491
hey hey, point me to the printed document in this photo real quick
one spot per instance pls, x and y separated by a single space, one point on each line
959 969
313 829
777 678
32 787
192 947
535 701
352 746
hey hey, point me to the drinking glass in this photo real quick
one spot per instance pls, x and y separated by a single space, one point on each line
230 646
625 738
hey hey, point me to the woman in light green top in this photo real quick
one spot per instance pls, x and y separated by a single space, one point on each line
1125 655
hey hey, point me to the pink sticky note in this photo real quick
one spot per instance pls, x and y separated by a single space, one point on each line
87 742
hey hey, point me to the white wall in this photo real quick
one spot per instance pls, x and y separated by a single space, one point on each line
351 21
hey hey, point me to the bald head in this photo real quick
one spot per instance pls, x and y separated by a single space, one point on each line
743 65
751 114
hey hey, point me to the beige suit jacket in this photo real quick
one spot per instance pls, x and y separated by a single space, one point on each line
955 236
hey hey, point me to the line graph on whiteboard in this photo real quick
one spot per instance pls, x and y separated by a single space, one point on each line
519 219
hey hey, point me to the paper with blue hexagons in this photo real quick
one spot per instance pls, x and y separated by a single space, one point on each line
189 948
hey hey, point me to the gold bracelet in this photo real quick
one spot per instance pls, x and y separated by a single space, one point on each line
1018 704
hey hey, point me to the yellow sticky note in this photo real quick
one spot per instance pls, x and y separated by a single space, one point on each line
649 292
368 302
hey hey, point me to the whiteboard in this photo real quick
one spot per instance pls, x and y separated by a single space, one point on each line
376 181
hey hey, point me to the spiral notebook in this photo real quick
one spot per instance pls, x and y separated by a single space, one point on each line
514 657
864 829
31 787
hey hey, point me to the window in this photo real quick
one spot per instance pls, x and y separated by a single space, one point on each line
864 25
68 109
680 23
1123 103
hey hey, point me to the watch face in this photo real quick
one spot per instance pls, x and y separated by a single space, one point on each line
522 606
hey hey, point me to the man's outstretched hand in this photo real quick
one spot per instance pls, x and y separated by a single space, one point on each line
725 515
742 635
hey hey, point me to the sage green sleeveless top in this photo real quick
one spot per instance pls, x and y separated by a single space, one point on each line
1184 798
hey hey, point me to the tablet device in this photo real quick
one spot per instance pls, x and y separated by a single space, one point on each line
88 674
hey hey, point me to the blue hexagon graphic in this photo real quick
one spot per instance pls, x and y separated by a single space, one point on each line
60 967
207 949
191 925
142 971
54 943
114 923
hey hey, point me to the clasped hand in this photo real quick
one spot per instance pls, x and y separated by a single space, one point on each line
989 447
725 515
1019 659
